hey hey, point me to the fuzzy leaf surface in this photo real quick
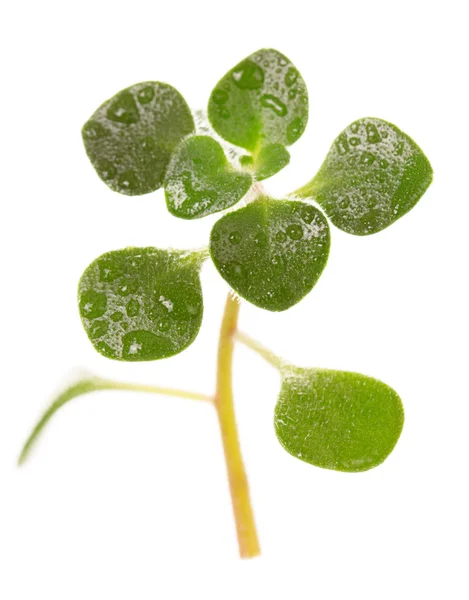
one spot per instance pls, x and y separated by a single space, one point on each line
271 252
372 176
337 419
141 304
200 180
263 100
130 138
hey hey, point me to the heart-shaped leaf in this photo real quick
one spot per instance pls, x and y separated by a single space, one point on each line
142 303
373 175
131 137
271 252
263 100
200 180
336 419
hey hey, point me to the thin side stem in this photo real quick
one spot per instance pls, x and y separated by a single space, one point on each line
238 482
276 362
93 384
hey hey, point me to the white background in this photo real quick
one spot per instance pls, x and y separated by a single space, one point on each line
126 496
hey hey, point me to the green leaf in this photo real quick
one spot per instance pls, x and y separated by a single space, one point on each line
336 419
270 160
142 303
131 137
373 175
200 181
263 100
271 252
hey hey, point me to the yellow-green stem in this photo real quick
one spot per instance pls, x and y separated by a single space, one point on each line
245 526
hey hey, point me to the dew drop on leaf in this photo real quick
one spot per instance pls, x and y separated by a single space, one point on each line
130 138
200 181
249 105
124 296
372 176
278 255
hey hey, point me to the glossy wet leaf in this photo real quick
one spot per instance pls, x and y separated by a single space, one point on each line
261 101
373 175
141 303
271 252
130 138
336 419
200 180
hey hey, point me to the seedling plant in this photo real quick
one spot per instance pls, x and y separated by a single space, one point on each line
141 304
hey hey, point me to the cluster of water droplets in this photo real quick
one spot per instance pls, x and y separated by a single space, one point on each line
130 137
126 308
277 95
271 249
362 172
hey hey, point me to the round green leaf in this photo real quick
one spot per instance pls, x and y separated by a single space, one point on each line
141 303
336 419
130 138
373 174
263 100
200 180
271 252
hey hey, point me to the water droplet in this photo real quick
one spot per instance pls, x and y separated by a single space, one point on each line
345 203
146 94
280 236
148 143
215 235
367 158
224 112
234 269
126 287
93 130
283 62
93 304
117 316
106 169
144 345
248 76
372 134
128 181
163 325
307 214
399 149
354 127
133 307
354 141
341 144
234 237
294 130
383 163
98 329
272 102
295 232
291 76
266 63
260 238
220 97
123 109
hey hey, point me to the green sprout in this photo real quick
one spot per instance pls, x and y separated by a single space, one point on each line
139 304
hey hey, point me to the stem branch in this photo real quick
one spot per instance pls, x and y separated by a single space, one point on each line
276 362
93 384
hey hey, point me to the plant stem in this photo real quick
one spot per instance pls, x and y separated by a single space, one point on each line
238 482
277 362
93 384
